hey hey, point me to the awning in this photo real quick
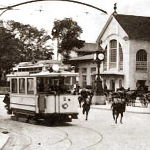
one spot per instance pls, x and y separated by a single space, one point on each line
83 58
111 74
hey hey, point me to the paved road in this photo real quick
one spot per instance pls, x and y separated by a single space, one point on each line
99 132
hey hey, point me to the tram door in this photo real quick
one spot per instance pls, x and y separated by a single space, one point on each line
41 103
41 95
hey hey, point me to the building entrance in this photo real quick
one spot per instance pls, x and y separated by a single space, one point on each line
140 84
112 85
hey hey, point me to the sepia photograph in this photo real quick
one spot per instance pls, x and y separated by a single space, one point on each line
74 75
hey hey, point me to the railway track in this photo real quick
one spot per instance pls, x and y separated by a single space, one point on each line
12 143
97 141
98 137
63 135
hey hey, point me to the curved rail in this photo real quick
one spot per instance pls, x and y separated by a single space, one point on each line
33 1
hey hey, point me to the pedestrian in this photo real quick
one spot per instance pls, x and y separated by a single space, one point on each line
7 102
84 94
86 106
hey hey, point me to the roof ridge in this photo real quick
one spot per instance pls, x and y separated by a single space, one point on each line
137 27
131 15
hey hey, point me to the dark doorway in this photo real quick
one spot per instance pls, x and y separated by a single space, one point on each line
112 85
140 84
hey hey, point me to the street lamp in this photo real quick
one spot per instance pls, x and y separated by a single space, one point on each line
99 57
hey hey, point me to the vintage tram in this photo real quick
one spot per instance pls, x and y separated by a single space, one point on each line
44 94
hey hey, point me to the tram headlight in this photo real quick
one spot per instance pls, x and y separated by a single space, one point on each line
55 67
65 106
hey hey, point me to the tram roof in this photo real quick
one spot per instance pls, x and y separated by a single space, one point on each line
43 74
38 64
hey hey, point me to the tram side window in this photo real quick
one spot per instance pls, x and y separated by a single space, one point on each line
67 84
21 85
14 85
30 86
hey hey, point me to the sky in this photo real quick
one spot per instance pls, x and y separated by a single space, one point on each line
89 19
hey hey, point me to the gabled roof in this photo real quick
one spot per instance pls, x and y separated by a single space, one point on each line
104 28
137 27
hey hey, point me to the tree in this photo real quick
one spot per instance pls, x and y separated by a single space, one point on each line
19 42
34 41
67 32
9 51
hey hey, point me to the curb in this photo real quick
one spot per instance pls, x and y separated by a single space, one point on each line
3 140
129 111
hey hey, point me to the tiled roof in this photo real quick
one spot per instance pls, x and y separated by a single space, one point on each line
137 27
25 64
85 57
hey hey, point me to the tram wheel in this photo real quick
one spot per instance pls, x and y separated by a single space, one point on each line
49 121
15 118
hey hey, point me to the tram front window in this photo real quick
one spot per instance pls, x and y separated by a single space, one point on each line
14 85
30 86
51 85
21 85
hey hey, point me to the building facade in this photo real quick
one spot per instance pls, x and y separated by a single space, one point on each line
126 41
85 65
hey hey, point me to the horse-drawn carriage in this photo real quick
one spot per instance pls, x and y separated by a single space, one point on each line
144 99
134 97
139 98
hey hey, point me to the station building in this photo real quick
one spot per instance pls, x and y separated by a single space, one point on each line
126 41
85 65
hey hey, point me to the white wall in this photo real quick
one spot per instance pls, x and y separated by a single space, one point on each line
115 31
136 45
87 65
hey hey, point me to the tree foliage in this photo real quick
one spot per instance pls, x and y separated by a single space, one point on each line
67 32
9 48
19 42
34 41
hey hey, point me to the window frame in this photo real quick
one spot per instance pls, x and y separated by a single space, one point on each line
30 92
12 86
113 51
141 60
22 92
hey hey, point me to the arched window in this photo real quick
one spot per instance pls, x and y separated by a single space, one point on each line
120 57
120 83
113 53
105 60
112 84
141 60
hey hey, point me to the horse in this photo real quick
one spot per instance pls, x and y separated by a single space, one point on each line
144 101
86 106
131 97
118 107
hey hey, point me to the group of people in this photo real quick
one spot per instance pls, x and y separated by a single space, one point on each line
118 104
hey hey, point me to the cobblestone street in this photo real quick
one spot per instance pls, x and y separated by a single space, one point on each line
99 132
